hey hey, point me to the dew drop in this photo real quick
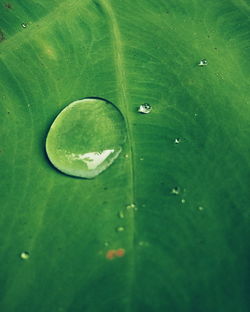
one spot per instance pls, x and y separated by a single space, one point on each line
121 215
183 201
120 229
203 62
126 156
86 137
141 158
176 190
177 140
200 208
24 25
106 244
145 108
24 255
131 206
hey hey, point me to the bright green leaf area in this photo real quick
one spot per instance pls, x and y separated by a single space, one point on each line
186 240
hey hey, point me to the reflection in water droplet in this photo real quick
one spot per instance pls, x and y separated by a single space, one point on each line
183 201
203 62
24 25
120 229
24 255
200 208
86 137
126 156
176 190
145 108
177 140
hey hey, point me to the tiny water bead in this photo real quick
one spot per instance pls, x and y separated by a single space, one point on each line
121 215
177 140
24 25
86 137
203 62
176 190
145 108
24 255
143 244
132 206
120 229
200 208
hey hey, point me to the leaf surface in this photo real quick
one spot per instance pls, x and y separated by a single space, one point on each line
166 227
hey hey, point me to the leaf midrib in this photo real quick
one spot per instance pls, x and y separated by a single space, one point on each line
121 82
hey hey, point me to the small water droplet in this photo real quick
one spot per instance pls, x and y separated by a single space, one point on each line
121 214
145 108
24 255
126 156
141 158
120 229
200 208
183 201
177 140
176 190
24 25
203 62
106 244
86 137
143 244
131 206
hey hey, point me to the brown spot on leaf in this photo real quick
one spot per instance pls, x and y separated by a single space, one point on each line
120 252
112 253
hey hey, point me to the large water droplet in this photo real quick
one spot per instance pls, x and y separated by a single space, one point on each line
86 137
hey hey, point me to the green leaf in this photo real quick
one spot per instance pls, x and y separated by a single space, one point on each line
166 227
